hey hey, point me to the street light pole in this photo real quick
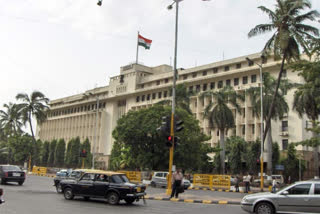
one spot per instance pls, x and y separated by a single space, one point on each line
96 129
169 186
261 121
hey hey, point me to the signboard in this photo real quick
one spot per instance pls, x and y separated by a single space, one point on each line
279 167
207 180
133 176
39 170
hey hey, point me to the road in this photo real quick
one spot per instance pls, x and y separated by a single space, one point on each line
38 196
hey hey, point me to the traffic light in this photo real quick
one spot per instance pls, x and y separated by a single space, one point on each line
169 141
83 153
178 125
165 126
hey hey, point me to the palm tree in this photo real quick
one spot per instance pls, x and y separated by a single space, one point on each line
33 106
11 119
182 98
281 106
290 34
306 101
220 115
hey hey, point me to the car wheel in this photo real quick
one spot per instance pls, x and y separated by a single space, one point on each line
20 183
264 208
129 200
59 188
113 198
153 184
68 194
86 198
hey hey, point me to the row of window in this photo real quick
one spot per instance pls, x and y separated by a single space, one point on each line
206 72
76 109
153 96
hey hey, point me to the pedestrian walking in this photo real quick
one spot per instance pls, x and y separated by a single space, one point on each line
176 183
237 183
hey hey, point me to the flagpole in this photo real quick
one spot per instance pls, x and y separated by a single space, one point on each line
137 54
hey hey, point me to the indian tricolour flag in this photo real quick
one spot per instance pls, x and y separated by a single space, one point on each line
146 43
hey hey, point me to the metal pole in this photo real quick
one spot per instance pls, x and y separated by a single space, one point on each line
299 168
169 189
96 128
261 117
137 54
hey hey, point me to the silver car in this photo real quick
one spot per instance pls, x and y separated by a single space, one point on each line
302 197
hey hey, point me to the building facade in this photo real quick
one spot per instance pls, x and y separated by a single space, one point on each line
93 114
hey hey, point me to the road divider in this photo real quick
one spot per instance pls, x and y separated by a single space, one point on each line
222 202
217 190
44 175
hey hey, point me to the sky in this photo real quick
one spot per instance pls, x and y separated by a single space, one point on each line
65 47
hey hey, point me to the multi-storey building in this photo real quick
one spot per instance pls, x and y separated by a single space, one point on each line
140 86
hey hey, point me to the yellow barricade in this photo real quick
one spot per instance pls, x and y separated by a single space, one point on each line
221 181
39 170
206 180
133 176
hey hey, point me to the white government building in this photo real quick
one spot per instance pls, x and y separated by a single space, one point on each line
139 86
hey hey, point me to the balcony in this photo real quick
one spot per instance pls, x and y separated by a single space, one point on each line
284 131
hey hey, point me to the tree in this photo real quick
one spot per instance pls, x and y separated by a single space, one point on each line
138 144
33 106
236 152
68 153
11 120
307 101
21 148
182 98
280 103
36 153
75 153
52 149
59 153
291 163
290 34
86 146
45 153
253 156
220 115
275 154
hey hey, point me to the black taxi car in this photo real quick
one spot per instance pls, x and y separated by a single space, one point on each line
72 175
113 186
11 173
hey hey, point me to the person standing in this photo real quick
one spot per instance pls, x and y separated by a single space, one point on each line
176 181
237 183
274 185
246 181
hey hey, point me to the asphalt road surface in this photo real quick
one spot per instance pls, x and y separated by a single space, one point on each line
38 196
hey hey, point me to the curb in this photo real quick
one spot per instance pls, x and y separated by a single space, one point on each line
217 190
193 200
44 175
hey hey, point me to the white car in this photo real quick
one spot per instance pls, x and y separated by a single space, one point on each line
159 179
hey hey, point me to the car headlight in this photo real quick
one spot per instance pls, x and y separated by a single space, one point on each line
246 200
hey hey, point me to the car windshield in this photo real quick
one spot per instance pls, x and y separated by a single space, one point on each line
11 168
119 179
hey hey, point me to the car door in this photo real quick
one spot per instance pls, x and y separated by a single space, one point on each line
85 185
157 178
315 199
101 185
297 199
